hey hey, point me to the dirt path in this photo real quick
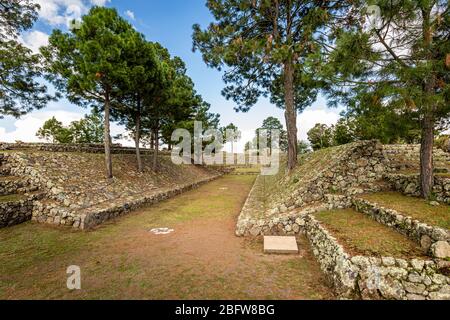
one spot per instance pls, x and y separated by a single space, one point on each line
201 259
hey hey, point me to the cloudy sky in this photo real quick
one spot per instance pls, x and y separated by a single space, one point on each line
170 23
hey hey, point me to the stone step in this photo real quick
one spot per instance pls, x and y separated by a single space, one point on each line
280 244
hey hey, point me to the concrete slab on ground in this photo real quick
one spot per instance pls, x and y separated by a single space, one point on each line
280 244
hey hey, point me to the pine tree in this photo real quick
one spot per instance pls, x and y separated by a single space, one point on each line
144 77
20 91
231 134
89 64
265 47
399 61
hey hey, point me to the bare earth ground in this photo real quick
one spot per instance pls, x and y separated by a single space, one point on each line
201 259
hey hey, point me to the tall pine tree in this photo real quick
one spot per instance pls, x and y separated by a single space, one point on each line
89 64
398 60
264 46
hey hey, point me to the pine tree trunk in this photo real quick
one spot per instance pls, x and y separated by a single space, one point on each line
426 156
290 114
107 139
152 141
137 138
155 150
427 138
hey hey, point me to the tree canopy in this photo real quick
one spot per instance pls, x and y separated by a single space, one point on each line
91 63
265 48
21 90
398 60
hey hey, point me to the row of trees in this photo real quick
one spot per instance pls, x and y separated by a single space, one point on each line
137 83
384 127
394 56
86 130
103 63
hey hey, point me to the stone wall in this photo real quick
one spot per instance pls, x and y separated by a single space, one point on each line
431 238
288 223
17 211
77 194
93 216
351 168
409 184
404 156
10 185
363 277
75 147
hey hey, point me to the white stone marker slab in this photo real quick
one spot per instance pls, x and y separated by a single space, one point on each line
280 244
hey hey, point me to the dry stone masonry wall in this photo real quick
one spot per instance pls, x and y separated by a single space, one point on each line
431 238
409 184
17 196
18 210
351 168
77 194
406 156
357 168
364 277
75 147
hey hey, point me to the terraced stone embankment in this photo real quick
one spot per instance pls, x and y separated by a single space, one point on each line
332 179
78 195
17 196
349 169
360 276
433 239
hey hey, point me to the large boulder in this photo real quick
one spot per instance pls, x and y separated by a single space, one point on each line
441 249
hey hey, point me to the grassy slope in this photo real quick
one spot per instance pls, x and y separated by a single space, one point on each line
270 189
75 172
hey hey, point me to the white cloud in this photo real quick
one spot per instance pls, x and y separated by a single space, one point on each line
308 118
34 40
61 12
100 2
27 126
130 14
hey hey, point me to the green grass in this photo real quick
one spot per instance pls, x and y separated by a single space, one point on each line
361 235
12 198
417 208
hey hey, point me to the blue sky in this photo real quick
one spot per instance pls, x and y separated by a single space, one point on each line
170 23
